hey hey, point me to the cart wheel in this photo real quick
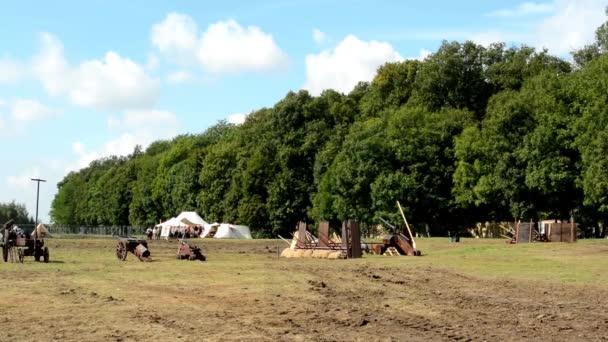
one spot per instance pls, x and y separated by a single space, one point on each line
37 255
20 255
121 251
45 254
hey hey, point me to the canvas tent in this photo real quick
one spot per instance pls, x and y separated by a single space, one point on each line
191 218
167 225
209 229
182 221
226 231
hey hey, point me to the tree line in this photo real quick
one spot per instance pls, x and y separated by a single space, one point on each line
16 212
469 134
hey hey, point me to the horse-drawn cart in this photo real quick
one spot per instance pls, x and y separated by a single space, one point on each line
17 243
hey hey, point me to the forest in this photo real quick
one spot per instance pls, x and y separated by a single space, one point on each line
469 134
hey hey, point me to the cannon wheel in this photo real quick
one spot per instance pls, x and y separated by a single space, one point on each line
121 251
45 254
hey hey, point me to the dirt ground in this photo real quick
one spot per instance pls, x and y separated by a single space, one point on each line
462 292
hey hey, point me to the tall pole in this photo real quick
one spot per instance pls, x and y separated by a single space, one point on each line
37 180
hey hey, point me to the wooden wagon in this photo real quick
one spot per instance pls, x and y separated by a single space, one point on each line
18 243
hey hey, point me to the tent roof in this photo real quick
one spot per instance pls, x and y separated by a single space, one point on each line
172 222
191 218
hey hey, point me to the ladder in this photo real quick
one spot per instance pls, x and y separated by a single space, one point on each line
392 251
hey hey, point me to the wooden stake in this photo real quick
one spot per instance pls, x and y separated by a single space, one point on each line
407 225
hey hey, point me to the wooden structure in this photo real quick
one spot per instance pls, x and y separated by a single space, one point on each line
543 231
558 231
348 243
396 244
524 232
402 242
17 244
138 247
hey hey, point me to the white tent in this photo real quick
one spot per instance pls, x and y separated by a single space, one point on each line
209 228
167 225
191 218
232 231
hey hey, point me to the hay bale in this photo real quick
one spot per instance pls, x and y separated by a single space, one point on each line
298 253
325 254
286 253
335 255
307 253
320 254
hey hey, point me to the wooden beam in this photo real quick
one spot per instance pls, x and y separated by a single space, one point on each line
355 236
407 225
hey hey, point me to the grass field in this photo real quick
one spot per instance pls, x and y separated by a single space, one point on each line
474 290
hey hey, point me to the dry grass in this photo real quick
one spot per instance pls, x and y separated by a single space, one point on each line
245 292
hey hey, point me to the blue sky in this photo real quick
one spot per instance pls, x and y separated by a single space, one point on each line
84 79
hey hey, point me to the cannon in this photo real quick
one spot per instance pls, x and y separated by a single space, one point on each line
127 244
18 243
186 250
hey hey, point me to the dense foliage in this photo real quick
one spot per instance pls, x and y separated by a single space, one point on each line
471 133
16 212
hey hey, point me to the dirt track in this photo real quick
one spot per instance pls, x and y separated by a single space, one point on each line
250 295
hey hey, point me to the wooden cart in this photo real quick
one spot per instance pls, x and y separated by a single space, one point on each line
16 245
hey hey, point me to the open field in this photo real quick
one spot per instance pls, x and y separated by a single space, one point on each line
473 290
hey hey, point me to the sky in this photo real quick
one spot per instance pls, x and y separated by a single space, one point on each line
80 80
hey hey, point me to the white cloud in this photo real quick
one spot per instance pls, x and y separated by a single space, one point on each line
237 118
84 157
146 119
424 53
571 26
135 127
31 110
113 82
318 36
526 8
50 65
228 47
176 36
489 37
12 71
23 181
179 77
225 47
351 61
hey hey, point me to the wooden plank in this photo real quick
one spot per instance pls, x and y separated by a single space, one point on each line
355 236
407 225
346 239
324 234
301 234
572 231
